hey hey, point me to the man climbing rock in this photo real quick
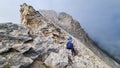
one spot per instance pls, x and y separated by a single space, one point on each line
70 46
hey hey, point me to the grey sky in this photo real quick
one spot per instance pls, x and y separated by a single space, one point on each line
100 18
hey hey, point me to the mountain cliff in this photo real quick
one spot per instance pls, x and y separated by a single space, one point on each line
40 42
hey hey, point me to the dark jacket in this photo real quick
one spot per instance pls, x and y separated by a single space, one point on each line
69 45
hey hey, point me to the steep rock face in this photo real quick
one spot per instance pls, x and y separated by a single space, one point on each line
58 27
20 51
41 43
12 37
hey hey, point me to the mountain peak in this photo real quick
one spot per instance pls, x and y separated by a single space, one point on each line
40 42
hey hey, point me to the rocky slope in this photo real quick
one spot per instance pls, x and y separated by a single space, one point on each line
40 42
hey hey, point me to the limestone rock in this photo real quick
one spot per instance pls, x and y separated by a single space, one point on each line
56 27
3 47
2 61
40 42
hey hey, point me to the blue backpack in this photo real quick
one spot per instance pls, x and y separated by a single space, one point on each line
69 45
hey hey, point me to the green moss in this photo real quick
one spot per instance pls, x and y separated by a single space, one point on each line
6 66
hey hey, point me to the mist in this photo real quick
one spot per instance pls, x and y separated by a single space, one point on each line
102 22
99 18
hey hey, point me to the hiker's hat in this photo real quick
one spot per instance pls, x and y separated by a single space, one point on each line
70 38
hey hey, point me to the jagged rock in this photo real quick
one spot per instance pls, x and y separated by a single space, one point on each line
57 27
2 61
17 59
39 64
56 62
31 53
40 42
4 47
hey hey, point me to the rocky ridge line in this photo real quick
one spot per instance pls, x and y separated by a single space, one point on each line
67 23
41 43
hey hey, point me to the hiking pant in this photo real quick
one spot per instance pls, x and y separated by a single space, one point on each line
72 51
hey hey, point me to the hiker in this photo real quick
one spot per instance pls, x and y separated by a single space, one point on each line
70 45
